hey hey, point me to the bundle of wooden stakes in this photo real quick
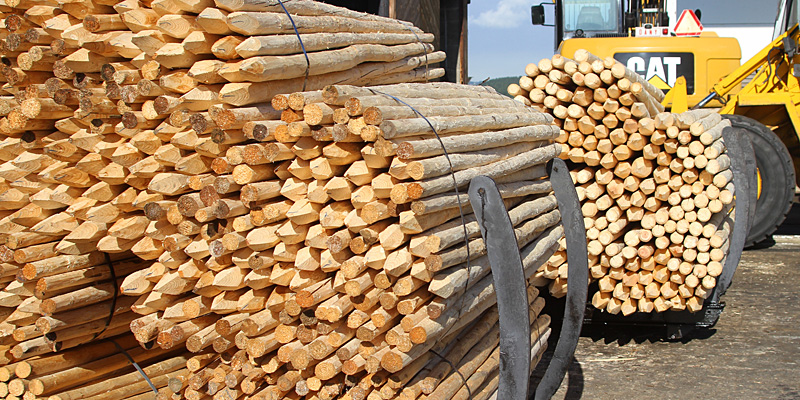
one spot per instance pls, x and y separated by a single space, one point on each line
330 251
296 266
309 248
656 187
98 98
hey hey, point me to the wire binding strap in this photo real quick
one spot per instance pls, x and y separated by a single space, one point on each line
113 307
455 187
135 365
302 46
460 212
454 368
425 51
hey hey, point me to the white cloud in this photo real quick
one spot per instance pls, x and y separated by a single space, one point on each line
506 14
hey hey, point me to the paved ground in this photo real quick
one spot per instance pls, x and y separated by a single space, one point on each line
752 353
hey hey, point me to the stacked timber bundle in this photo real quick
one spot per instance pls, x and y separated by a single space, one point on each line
308 248
97 100
328 253
656 187
98 370
263 57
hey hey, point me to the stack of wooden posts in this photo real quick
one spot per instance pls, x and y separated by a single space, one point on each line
330 250
89 94
656 187
304 248
98 370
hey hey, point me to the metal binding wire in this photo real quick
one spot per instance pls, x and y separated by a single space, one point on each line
135 365
302 46
113 307
455 187
425 50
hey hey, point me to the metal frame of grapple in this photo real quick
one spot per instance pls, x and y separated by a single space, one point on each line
510 284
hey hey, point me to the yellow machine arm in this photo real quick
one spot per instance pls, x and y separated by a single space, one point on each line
770 54
677 96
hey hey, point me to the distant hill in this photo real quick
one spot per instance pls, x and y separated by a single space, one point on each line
501 84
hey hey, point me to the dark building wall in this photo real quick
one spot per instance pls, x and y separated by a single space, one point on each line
370 6
423 14
446 19
453 30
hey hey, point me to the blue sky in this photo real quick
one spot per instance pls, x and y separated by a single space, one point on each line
502 40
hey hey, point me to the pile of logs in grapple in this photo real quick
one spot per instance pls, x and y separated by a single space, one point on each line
655 187
179 191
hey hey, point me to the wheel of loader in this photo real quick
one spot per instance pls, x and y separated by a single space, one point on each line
776 177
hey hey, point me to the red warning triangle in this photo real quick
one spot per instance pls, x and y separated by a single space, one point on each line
688 24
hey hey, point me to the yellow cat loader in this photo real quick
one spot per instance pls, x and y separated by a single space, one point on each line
637 34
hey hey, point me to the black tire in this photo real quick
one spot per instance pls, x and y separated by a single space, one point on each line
777 177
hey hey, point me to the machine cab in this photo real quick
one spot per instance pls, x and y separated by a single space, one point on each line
600 18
